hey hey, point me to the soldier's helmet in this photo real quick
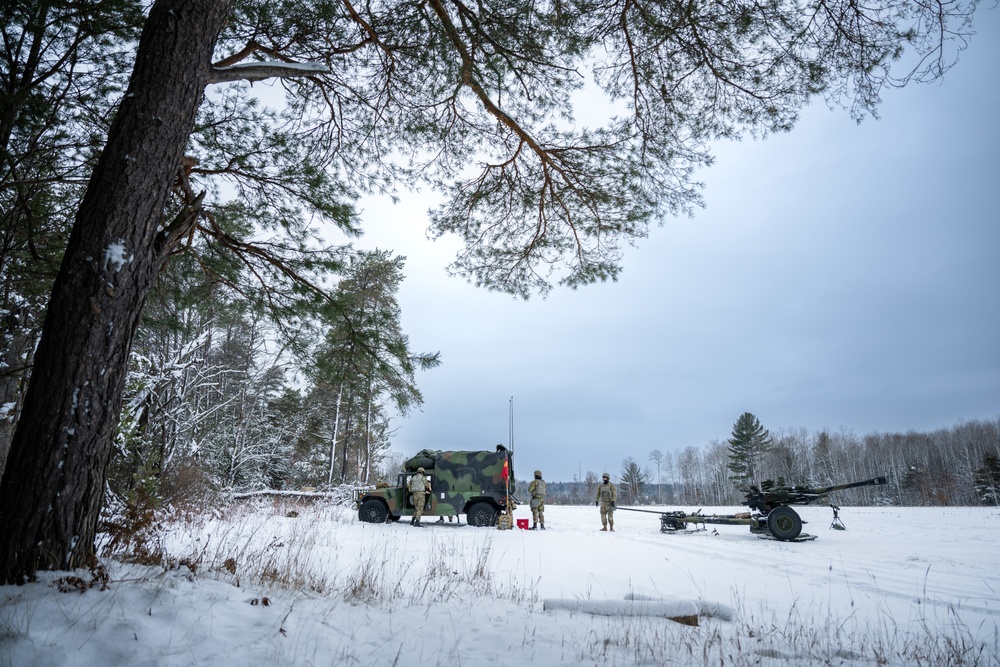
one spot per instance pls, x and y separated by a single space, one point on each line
420 469
538 474
606 476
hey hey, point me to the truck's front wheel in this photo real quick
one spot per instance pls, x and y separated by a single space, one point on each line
373 511
481 514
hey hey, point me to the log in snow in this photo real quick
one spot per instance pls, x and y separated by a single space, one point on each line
680 611
705 608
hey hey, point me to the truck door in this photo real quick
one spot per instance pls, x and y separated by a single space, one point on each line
432 497
429 502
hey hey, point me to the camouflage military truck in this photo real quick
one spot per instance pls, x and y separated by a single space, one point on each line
470 483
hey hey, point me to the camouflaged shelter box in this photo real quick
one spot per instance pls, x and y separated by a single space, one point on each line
470 483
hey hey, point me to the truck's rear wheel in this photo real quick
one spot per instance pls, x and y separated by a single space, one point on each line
784 523
481 514
373 511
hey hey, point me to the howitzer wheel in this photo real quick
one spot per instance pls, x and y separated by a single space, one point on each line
784 523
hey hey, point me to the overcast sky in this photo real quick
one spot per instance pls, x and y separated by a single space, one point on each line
841 277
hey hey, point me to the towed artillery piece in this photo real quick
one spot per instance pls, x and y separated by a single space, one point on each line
770 515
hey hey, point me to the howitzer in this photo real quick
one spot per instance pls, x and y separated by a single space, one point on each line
771 495
770 514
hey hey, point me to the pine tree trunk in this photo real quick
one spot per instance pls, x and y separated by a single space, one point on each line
51 492
348 424
333 440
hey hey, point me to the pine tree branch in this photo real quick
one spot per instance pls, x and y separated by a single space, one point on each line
259 71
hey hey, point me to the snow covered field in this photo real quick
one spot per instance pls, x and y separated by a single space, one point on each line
902 586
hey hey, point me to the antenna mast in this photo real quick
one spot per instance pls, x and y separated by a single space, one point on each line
510 426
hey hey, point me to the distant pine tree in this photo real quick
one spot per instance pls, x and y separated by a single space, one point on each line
987 480
633 479
747 446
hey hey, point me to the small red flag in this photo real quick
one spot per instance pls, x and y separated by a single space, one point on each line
505 473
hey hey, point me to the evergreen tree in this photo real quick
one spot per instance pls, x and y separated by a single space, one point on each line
987 480
749 443
633 480
364 365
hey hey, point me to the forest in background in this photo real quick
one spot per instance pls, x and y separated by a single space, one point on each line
950 466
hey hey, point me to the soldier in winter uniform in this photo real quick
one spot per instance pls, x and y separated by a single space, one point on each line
607 495
420 486
537 490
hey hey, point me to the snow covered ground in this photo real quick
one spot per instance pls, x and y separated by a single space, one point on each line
902 586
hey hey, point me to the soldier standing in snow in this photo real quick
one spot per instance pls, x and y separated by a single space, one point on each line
420 486
607 495
537 490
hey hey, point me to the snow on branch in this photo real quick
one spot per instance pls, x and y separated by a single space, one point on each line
258 71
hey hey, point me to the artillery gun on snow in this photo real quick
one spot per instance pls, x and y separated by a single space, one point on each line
770 514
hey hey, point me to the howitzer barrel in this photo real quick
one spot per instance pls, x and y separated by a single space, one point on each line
632 509
770 496
874 481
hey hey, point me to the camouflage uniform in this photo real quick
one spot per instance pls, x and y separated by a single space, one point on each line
537 490
420 486
607 496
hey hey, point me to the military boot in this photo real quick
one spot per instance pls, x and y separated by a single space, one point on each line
534 526
542 526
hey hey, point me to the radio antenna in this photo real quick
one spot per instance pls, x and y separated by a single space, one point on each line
511 425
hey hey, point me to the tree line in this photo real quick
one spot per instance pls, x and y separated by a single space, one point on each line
218 400
213 391
957 466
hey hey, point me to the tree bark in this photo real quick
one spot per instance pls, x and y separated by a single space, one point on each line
16 357
51 492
